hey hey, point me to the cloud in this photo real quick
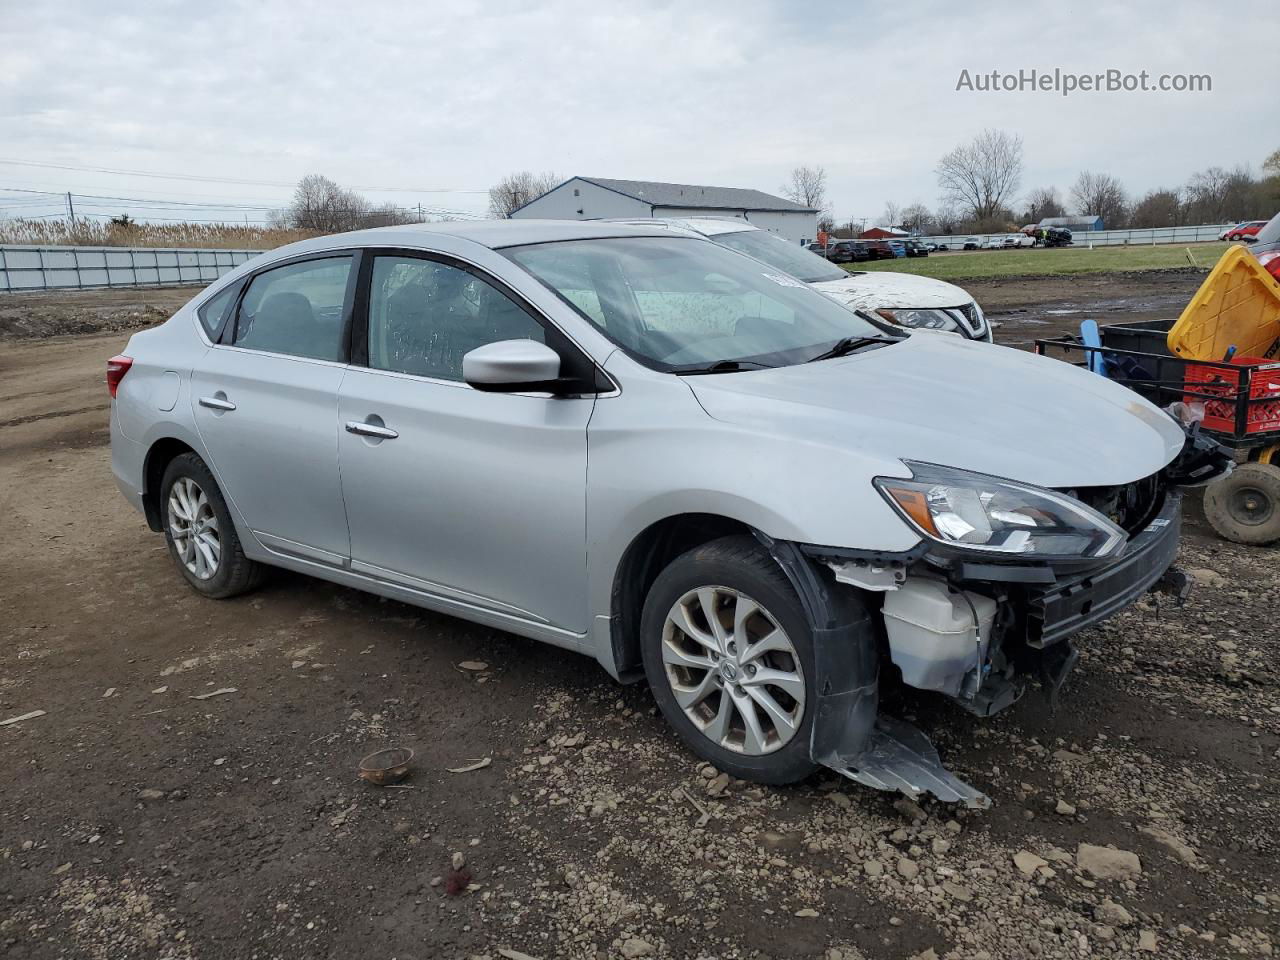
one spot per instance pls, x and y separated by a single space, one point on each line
454 96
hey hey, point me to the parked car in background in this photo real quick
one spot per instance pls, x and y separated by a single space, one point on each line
900 298
915 248
1019 240
992 243
1056 237
1246 231
879 250
938 246
761 535
846 251
898 247
971 243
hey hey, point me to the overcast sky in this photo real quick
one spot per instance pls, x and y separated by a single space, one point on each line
449 97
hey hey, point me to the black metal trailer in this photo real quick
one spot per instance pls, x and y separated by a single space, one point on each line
1243 414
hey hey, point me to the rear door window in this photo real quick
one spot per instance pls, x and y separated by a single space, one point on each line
296 309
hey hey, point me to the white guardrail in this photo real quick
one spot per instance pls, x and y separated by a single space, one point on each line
29 268
1105 238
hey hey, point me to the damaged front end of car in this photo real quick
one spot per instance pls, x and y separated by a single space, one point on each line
982 607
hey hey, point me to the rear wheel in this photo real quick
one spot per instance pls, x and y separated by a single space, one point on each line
729 657
198 529
1244 506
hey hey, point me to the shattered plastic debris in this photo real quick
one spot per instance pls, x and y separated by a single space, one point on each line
214 693
26 716
472 765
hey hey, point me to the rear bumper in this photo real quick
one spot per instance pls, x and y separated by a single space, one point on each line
126 463
1073 603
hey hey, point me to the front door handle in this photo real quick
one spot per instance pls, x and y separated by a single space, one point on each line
371 430
217 403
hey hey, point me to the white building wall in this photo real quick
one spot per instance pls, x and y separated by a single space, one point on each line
579 200
794 226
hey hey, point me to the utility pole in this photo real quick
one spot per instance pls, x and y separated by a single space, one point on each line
419 211
71 210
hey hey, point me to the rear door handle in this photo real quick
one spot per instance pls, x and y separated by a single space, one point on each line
371 430
217 403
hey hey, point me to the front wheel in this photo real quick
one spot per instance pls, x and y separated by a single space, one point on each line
728 654
198 530
1244 506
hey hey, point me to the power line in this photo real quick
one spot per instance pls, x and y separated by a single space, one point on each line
153 203
202 179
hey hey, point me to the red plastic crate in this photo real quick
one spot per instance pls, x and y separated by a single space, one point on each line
1220 415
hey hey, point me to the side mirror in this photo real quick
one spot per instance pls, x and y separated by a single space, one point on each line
513 366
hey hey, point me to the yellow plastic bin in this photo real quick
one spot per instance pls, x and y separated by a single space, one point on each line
1238 305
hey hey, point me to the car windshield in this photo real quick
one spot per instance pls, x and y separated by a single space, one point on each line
682 304
776 252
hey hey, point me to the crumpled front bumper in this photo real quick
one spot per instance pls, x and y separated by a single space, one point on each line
1044 606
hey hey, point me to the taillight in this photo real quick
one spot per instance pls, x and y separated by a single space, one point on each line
117 367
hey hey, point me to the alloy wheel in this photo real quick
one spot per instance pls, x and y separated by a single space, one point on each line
194 528
733 670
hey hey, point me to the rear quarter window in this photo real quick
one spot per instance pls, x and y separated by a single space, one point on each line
214 313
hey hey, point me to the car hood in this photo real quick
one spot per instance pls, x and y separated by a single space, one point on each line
939 398
867 291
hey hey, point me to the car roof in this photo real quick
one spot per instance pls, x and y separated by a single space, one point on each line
494 234
707 226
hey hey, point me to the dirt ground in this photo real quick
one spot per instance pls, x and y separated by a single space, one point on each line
138 821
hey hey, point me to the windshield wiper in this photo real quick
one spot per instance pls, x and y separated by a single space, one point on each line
849 344
725 366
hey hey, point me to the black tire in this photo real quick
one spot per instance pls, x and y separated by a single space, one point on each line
235 573
740 564
1244 506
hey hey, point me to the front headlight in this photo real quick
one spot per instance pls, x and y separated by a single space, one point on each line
971 511
919 319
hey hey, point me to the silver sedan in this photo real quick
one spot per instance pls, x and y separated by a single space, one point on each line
661 453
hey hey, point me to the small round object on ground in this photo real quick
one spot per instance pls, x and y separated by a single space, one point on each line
386 766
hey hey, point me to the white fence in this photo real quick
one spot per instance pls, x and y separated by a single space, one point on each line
87 268
1111 238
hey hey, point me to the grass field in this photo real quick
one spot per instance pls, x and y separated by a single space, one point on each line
970 265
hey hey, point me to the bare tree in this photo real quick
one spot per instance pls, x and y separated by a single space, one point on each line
915 217
807 187
321 205
892 214
981 176
1157 208
1101 195
516 189
1271 165
1042 203
1207 196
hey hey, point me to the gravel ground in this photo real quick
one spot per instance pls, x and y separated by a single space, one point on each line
1142 819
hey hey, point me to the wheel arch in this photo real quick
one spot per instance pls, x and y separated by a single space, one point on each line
646 556
160 454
